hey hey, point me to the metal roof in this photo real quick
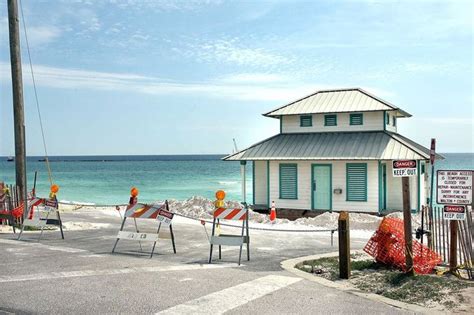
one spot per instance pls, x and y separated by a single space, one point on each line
378 145
336 101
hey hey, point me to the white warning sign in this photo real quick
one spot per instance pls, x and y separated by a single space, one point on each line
454 212
454 187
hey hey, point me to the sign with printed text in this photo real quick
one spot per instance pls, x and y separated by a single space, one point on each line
454 212
404 168
138 236
454 187
165 217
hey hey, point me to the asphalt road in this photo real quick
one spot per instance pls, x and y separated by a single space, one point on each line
80 275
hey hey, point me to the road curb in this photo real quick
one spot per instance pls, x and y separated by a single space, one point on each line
289 265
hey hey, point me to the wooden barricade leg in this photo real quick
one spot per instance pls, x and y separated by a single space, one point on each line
60 224
23 227
42 226
136 229
172 238
212 234
242 244
121 228
220 247
248 237
154 243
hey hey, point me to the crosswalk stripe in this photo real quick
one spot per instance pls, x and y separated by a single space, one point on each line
105 272
43 246
222 301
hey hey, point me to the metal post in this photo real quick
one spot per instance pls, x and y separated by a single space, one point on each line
18 108
430 210
243 175
407 225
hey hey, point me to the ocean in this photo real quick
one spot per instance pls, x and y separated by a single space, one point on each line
108 179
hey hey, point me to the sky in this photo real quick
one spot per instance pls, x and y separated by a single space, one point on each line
186 77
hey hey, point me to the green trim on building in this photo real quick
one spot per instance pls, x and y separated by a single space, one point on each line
288 192
330 120
356 193
306 121
356 119
268 183
387 118
418 188
253 182
380 187
330 184
384 125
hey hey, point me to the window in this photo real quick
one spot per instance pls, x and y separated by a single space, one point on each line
394 121
387 118
356 180
306 121
356 119
288 181
330 120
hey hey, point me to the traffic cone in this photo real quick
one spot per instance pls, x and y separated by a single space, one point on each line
273 213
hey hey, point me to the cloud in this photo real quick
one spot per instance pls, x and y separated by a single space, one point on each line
245 78
38 36
258 87
163 5
232 51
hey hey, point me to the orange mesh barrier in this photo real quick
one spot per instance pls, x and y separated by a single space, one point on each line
387 246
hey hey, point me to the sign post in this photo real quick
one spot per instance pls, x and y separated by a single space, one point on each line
430 212
404 169
454 190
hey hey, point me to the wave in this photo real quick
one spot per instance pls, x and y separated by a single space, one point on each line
227 183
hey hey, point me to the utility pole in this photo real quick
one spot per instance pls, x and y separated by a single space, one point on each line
18 109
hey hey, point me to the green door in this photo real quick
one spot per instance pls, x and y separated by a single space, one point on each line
321 186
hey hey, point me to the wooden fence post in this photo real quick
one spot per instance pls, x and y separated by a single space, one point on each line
344 246
453 246
407 226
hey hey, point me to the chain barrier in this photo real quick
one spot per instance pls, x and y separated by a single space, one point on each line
78 205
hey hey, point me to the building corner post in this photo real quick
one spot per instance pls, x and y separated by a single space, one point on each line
243 177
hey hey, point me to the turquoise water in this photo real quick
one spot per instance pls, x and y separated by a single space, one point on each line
108 179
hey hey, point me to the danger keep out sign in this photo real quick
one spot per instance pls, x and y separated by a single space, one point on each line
454 187
454 212
404 168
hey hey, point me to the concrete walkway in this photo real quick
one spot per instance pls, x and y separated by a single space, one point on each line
80 275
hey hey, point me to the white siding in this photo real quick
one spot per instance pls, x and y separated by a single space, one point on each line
260 184
339 202
371 121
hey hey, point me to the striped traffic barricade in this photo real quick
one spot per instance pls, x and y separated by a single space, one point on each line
237 214
42 213
157 212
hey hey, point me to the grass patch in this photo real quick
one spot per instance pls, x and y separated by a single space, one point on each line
367 275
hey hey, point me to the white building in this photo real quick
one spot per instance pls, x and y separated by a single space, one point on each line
334 152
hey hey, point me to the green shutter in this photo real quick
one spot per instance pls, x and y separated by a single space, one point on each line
356 179
288 181
306 121
356 119
394 121
330 120
387 118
